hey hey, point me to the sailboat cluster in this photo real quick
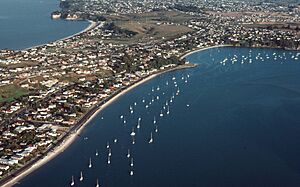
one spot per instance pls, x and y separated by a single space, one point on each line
251 56
153 98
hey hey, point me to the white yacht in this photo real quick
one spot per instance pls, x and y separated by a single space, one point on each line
132 132
131 173
128 153
161 114
151 138
109 152
72 181
90 163
139 123
81 176
131 162
97 183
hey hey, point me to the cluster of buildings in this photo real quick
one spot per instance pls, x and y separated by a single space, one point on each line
119 7
64 79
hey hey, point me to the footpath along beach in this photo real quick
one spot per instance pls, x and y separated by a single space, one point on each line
69 137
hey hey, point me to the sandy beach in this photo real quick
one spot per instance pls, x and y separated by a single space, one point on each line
202 49
89 27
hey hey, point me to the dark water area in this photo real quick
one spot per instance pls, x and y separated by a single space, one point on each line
28 23
231 122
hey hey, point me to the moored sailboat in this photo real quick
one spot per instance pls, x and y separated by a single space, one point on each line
90 163
81 176
139 123
151 138
97 183
72 181
131 173
161 114
132 132
109 152
131 162
128 153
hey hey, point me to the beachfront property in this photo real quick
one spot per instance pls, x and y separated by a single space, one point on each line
46 90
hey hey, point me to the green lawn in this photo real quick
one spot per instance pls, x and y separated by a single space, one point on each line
10 92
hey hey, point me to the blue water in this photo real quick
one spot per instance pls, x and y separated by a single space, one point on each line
230 125
28 23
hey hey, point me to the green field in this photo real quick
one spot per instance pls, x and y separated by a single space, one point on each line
160 25
10 92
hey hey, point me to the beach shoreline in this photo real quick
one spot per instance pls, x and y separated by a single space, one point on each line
74 132
86 29
202 49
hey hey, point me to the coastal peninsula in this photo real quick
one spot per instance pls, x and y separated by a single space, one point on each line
49 92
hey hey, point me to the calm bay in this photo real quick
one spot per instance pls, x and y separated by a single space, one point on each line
233 121
28 23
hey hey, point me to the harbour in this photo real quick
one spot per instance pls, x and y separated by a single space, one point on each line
171 143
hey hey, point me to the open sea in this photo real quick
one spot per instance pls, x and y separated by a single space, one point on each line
26 23
232 121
